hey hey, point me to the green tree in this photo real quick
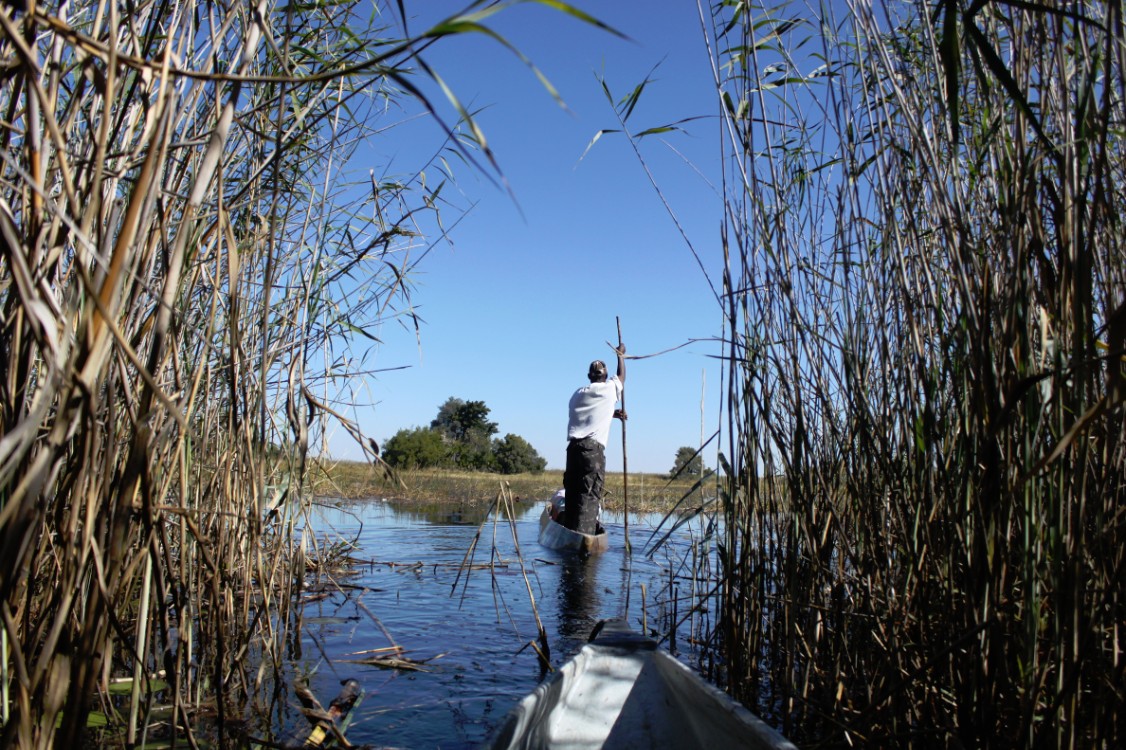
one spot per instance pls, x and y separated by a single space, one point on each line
418 448
463 421
688 463
446 421
468 433
515 455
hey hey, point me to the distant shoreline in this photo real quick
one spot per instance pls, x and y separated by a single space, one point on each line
353 480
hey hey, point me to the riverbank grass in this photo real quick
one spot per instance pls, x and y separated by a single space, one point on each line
353 480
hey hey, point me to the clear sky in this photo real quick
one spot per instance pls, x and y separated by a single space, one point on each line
528 292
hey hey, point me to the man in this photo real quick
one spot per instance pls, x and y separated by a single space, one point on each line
588 429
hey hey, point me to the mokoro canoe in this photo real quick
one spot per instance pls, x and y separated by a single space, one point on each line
555 535
622 691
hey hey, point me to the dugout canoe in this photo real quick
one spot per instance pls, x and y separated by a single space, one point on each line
555 535
622 691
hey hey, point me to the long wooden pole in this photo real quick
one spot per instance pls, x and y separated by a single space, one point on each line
625 457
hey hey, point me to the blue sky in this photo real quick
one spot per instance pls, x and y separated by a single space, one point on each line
529 290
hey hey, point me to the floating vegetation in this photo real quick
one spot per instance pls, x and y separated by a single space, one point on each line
391 657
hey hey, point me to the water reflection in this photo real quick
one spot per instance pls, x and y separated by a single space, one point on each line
470 632
450 514
580 606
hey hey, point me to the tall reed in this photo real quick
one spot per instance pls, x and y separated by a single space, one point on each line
926 321
925 328
185 282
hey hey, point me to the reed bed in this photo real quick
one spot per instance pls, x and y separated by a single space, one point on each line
925 311
187 281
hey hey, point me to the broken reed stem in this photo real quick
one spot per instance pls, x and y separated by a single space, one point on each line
467 560
644 613
141 647
544 651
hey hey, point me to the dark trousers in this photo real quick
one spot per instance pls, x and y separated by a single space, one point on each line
582 480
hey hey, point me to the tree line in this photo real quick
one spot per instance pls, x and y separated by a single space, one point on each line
461 436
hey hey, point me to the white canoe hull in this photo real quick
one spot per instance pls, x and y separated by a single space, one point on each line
557 536
622 692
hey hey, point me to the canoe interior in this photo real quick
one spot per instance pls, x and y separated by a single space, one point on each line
626 693
557 536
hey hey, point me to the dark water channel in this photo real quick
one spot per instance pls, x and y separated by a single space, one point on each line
471 628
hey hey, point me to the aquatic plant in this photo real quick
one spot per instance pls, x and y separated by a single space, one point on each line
925 334
922 279
189 278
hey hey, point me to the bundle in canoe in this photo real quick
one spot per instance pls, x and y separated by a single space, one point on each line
621 691
555 535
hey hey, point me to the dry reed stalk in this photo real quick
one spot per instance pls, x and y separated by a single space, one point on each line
925 329
502 505
922 266
164 330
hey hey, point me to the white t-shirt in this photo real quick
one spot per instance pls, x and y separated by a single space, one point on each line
592 410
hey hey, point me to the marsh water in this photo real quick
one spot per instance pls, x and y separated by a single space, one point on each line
465 620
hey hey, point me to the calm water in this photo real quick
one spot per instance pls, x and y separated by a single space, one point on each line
474 630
